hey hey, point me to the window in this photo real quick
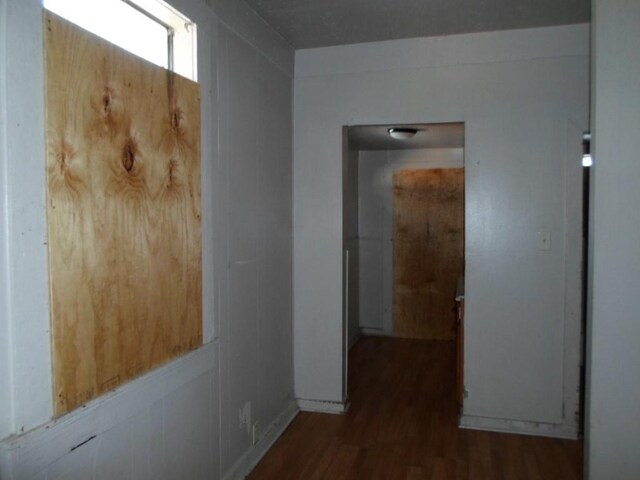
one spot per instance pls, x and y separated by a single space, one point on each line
150 29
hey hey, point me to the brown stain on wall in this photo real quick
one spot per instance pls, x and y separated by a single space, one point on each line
428 251
123 214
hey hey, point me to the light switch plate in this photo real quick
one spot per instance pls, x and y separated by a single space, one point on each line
544 240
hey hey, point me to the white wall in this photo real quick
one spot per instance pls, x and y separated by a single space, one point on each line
523 96
194 417
6 398
351 215
613 416
376 169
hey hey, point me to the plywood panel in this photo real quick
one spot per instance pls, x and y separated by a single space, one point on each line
123 213
428 251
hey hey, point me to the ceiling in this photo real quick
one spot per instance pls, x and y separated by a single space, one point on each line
434 135
318 23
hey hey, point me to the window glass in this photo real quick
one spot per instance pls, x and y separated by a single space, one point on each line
127 27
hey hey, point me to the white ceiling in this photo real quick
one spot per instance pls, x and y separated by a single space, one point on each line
317 23
430 135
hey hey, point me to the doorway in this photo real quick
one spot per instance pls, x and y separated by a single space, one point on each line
403 219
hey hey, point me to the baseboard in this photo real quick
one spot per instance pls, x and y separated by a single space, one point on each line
518 427
323 406
373 332
245 464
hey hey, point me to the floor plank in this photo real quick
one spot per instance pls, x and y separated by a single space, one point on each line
402 425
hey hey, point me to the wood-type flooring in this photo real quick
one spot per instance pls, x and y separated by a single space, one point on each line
402 425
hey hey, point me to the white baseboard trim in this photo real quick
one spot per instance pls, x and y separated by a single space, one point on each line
247 462
518 427
374 332
323 406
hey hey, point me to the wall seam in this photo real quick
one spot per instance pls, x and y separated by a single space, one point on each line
261 52
5 270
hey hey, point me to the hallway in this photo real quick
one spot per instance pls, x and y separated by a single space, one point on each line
402 425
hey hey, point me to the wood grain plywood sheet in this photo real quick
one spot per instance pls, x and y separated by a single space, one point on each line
123 214
428 251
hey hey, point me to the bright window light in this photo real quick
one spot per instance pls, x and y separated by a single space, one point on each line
150 29
587 160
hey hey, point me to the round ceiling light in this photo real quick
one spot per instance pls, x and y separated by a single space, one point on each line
402 133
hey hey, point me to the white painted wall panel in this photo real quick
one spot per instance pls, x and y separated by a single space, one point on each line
208 42
613 417
255 144
172 438
26 228
113 454
243 359
353 313
6 393
275 242
223 266
189 439
246 24
134 449
78 465
256 107
371 288
37 451
240 130
351 212
318 331
156 444
515 108
182 420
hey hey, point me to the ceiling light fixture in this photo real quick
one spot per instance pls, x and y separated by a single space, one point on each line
402 133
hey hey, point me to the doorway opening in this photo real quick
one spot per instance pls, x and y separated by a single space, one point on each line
403 224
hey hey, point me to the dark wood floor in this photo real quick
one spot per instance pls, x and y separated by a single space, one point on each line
402 425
